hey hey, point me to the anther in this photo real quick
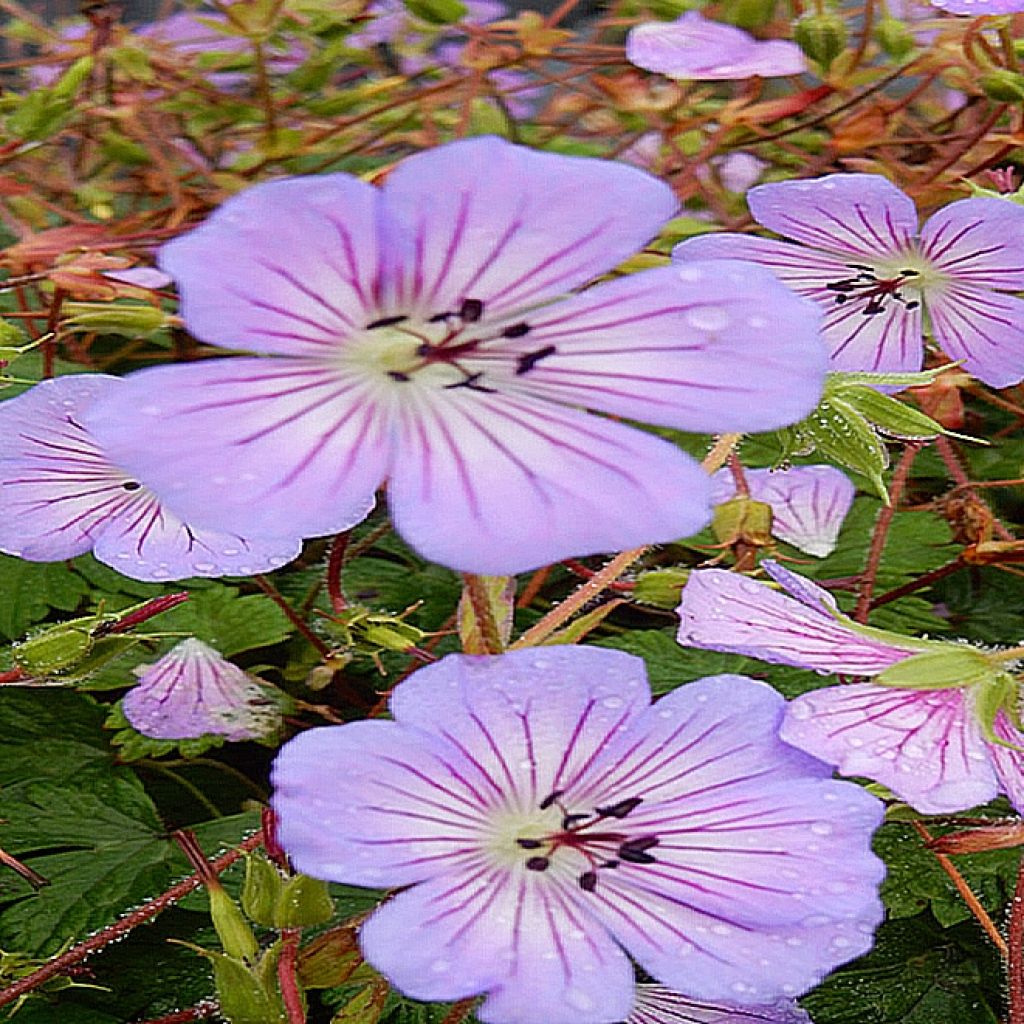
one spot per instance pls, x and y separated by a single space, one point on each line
518 330
588 881
471 310
131 485
385 321
527 362
550 798
538 864
572 819
471 382
634 851
620 809
399 376
530 844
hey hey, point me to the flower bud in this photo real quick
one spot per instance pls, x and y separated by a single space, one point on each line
743 521
1003 85
894 37
821 36
437 12
137 321
58 648
661 587
749 14
330 959
242 996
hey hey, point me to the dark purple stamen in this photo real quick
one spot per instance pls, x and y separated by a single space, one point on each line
634 851
518 330
471 381
588 881
527 362
538 864
131 485
386 321
399 376
471 310
621 809
549 800
530 844
866 284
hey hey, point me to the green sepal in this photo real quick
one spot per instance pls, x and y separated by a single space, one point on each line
894 37
952 666
889 414
232 928
840 432
821 35
13 340
330 959
57 648
302 903
838 380
998 693
261 889
244 995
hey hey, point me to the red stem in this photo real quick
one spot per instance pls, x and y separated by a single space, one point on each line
201 1011
334 565
1015 967
881 531
287 978
119 929
293 617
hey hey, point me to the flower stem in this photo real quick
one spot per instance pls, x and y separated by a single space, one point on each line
293 617
335 562
286 975
881 532
461 1010
1015 967
973 904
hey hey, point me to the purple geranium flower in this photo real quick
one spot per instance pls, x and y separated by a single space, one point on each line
929 746
808 503
694 47
548 820
410 334
60 496
656 1004
867 264
192 691
977 8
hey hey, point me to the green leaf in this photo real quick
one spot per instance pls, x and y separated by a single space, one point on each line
916 974
30 591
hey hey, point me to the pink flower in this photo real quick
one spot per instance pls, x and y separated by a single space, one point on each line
694 47
863 259
929 745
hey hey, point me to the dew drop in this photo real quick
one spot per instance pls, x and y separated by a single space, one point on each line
440 966
708 318
612 702
800 711
822 828
579 1000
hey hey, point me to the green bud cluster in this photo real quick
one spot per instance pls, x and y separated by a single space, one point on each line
822 36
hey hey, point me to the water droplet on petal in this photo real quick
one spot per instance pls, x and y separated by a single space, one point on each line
579 1000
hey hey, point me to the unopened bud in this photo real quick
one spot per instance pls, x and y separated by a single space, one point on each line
330 959
303 902
242 995
743 521
749 14
261 889
437 12
135 321
821 36
894 37
1003 85
661 588
56 649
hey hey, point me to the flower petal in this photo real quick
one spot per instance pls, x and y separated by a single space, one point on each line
378 804
532 721
499 484
976 8
722 611
923 744
192 691
848 214
510 226
517 937
300 265
695 47
885 342
983 328
808 503
682 347
60 496
258 446
755 844
1008 762
658 1004
978 241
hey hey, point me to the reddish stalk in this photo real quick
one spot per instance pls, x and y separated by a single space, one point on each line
293 617
335 562
119 929
1015 967
201 1011
287 978
951 459
972 901
881 531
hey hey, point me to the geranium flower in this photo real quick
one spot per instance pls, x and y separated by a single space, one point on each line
694 47
60 496
808 503
977 8
864 261
656 1004
192 691
939 748
549 820
410 333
